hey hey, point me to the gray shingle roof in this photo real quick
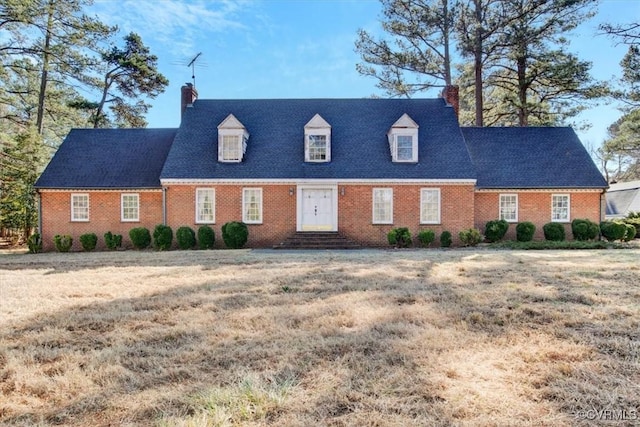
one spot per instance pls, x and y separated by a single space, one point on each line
622 198
497 157
108 158
359 145
532 157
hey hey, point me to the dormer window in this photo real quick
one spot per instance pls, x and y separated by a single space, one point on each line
232 140
403 140
317 140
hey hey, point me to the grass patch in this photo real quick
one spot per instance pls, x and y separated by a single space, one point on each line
225 338
566 244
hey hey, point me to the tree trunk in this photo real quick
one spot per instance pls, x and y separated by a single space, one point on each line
478 64
523 109
44 77
103 100
446 32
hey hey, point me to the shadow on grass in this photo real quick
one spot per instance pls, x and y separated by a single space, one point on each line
348 343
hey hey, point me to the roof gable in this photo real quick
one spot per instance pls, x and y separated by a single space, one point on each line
231 122
317 122
359 143
405 122
531 157
108 158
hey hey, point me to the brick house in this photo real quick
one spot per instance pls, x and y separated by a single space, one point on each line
355 166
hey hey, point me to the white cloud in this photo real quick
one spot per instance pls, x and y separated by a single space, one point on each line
175 25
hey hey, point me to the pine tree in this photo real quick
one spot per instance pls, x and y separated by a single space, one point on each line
418 57
622 149
21 161
132 73
540 82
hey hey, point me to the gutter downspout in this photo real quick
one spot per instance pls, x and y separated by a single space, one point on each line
39 199
164 205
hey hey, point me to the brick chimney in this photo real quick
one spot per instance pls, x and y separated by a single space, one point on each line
189 95
451 96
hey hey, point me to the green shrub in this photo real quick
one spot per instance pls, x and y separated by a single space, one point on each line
495 230
445 239
89 241
399 237
140 237
566 244
630 234
613 230
63 242
553 231
186 237
470 237
34 243
635 221
525 231
584 229
235 234
112 241
206 237
426 237
162 237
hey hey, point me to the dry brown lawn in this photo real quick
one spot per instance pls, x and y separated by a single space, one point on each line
385 338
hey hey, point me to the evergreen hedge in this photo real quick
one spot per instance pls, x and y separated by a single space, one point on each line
495 230
426 237
554 231
140 237
186 237
235 234
399 237
206 237
88 241
162 237
525 231
445 239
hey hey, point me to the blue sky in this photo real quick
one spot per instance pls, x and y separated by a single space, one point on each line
302 49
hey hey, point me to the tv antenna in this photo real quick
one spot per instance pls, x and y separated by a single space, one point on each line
192 64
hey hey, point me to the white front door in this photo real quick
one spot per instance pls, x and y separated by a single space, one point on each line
318 211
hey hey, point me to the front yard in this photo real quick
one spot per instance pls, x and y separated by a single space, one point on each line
366 337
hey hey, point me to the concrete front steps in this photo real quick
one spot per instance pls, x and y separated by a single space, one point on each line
317 240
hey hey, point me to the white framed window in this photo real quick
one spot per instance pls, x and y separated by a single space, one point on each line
317 140
231 149
430 206
205 206
317 148
129 207
383 205
252 205
80 207
560 208
403 140
404 148
509 207
232 140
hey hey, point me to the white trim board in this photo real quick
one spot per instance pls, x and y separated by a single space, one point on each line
334 181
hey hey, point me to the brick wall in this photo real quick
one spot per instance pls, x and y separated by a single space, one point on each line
104 215
461 208
354 211
535 207
278 213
